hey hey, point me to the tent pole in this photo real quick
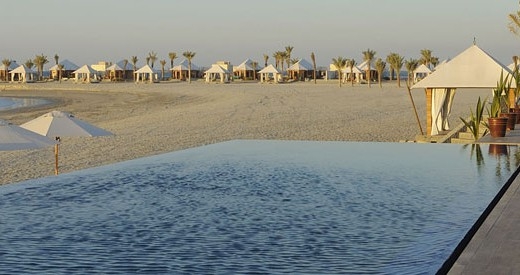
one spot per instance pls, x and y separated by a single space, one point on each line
414 109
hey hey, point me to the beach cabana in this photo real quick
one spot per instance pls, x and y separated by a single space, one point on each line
420 73
181 71
146 74
355 76
118 71
473 68
68 69
363 67
246 69
218 73
86 74
301 70
23 74
270 74
5 76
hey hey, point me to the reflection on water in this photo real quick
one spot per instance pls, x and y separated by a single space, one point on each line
9 103
251 207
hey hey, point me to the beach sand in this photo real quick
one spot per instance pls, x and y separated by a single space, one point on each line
150 119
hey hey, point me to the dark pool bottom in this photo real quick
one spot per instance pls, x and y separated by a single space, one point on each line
255 207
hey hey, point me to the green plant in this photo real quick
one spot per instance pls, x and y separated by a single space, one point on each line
476 119
499 104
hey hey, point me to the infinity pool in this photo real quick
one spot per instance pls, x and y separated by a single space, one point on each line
255 207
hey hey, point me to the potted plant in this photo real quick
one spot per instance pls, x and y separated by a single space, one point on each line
497 125
476 120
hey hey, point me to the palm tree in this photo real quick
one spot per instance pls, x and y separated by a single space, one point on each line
396 63
283 57
152 56
125 63
435 61
426 57
390 59
266 57
60 71
148 60
6 63
313 58
514 22
163 63
339 63
380 67
254 65
39 61
189 56
56 58
411 64
288 51
368 56
351 63
134 60
277 57
172 56
29 63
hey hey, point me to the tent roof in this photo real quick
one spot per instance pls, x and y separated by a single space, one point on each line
355 70
270 69
146 69
115 67
85 69
12 66
215 68
473 68
422 69
67 66
183 66
63 124
22 69
246 65
301 65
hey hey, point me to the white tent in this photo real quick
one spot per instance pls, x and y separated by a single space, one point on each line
421 72
181 71
300 70
85 74
22 74
68 69
355 71
217 73
146 74
5 75
246 69
270 73
473 68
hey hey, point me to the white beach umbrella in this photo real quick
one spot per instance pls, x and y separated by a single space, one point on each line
58 124
13 137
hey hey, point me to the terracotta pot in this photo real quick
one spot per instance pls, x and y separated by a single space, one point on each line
511 120
497 126
497 149
517 111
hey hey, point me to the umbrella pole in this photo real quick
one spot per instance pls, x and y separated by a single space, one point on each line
56 151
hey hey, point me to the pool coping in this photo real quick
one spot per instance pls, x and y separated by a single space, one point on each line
491 245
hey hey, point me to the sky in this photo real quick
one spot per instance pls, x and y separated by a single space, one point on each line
86 32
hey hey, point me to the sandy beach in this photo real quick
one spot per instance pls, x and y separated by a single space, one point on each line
150 119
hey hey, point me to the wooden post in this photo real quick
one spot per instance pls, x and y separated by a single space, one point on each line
56 151
429 94
511 98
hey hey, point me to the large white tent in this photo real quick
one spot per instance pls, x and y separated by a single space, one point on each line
421 72
181 70
23 74
146 74
68 69
300 70
473 68
217 73
246 69
270 73
86 74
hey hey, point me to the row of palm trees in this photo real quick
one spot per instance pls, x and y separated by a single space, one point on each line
394 60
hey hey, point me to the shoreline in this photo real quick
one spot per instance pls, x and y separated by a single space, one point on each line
150 119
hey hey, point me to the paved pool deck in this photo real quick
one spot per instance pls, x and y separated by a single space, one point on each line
495 246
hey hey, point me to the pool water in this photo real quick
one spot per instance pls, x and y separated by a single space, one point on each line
272 207
9 103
